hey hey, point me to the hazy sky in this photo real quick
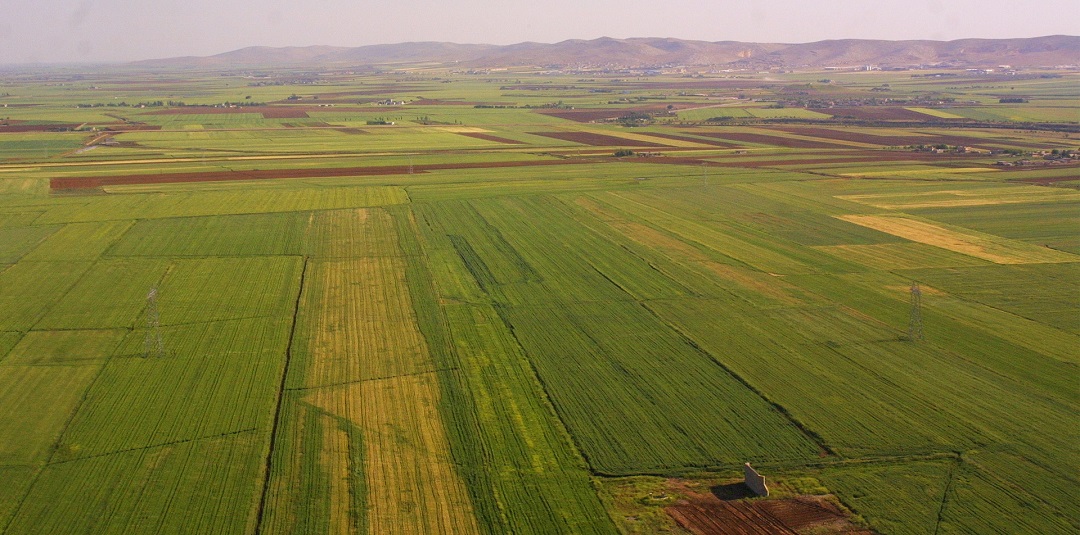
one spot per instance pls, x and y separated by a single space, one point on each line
123 30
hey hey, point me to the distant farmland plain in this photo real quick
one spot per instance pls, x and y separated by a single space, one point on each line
421 302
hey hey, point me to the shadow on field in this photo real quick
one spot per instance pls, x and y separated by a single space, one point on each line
732 491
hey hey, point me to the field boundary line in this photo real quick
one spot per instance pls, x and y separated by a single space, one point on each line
268 465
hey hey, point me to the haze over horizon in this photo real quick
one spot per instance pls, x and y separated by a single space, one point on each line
100 31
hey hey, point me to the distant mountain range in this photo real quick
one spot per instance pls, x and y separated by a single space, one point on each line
665 52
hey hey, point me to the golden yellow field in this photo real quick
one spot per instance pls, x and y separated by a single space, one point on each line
993 248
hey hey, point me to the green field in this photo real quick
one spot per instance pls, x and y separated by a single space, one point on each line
480 320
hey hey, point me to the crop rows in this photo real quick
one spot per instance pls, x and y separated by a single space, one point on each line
517 460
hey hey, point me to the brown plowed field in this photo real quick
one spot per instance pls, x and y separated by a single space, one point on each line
597 140
711 142
777 141
37 127
74 183
489 137
708 515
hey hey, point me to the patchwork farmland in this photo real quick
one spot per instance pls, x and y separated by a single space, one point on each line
500 307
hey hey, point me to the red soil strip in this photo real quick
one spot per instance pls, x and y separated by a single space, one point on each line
584 116
776 141
73 183
488 137
597 140
38 127
711 142
708 515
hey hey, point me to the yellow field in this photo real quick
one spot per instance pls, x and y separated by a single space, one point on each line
935 113
987 247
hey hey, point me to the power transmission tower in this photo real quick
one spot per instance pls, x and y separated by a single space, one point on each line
154 344
410 165
915 327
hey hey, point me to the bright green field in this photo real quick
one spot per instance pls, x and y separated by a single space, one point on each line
499 347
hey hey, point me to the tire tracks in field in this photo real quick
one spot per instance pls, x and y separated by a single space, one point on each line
370 379
152 446
948 488
268 465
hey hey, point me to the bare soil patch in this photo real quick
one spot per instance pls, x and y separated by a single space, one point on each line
597 140
489 137
711 142
726 512
37 127
778 141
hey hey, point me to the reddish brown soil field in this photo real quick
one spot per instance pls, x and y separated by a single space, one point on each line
711 142
584 116
37 127
776 141
708 515
75 183
489 137
597 140
878 113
